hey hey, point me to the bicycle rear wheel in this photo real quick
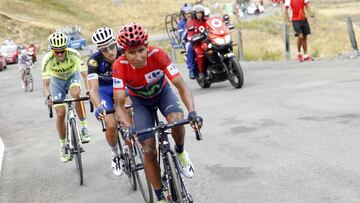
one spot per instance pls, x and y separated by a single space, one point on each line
142 180
77 151
175 187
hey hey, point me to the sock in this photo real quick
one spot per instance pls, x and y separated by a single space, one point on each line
299 53
305 55
115 150
159 194
179 148
83 123
62 142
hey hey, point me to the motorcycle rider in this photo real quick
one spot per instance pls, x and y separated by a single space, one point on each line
186 16
197 26
23 63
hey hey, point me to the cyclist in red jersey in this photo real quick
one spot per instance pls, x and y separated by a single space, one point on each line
300 24
143 70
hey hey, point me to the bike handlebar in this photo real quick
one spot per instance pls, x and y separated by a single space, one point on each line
65 102
163 127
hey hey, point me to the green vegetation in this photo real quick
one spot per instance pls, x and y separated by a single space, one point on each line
33 20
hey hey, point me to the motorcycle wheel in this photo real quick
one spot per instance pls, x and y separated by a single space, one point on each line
202 83
236 75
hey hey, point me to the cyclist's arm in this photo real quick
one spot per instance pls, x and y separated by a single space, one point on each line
94 92
45 77
46 85
120 111
184 92
84 76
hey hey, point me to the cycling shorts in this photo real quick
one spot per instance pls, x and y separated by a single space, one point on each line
59 86
167 102
301 26
106 97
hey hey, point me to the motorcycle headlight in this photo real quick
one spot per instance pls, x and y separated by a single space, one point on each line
219 41
227 39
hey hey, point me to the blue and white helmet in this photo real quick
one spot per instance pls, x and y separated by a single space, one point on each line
103 37
186 9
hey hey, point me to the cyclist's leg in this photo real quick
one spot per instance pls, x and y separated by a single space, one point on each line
58 87
22 75
171 108
144 118
74 89
106 99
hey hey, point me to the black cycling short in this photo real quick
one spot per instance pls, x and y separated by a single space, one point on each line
301 26
166 102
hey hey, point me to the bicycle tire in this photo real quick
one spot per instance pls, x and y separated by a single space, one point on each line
146 189
30 82
128 162
76 150
176 189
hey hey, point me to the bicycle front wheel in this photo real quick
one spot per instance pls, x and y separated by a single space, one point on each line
142 180
77 151
175 187
127 156
30 82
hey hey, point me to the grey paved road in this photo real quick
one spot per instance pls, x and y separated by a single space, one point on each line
292 134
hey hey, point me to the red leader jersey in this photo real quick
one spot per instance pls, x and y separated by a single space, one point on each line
199 26
146 82
297 8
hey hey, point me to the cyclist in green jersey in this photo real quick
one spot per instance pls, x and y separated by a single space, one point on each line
61 69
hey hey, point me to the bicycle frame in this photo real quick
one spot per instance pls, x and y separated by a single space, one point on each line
71 116
164 149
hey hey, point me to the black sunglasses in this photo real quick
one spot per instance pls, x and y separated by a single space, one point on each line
107 49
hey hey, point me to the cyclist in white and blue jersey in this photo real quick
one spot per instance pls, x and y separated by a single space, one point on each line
101 89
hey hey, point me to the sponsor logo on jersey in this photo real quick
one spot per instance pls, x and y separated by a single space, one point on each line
154 75
93 63
118 83
172 69
123 61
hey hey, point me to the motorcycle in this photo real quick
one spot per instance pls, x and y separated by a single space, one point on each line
220 62
31 51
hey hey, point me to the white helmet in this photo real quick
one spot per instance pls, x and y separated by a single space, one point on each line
207 12
199 8
103 37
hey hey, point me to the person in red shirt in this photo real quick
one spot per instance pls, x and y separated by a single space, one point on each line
300 24
144 71
197 26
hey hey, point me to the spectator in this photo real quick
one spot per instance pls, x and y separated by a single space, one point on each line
300 24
